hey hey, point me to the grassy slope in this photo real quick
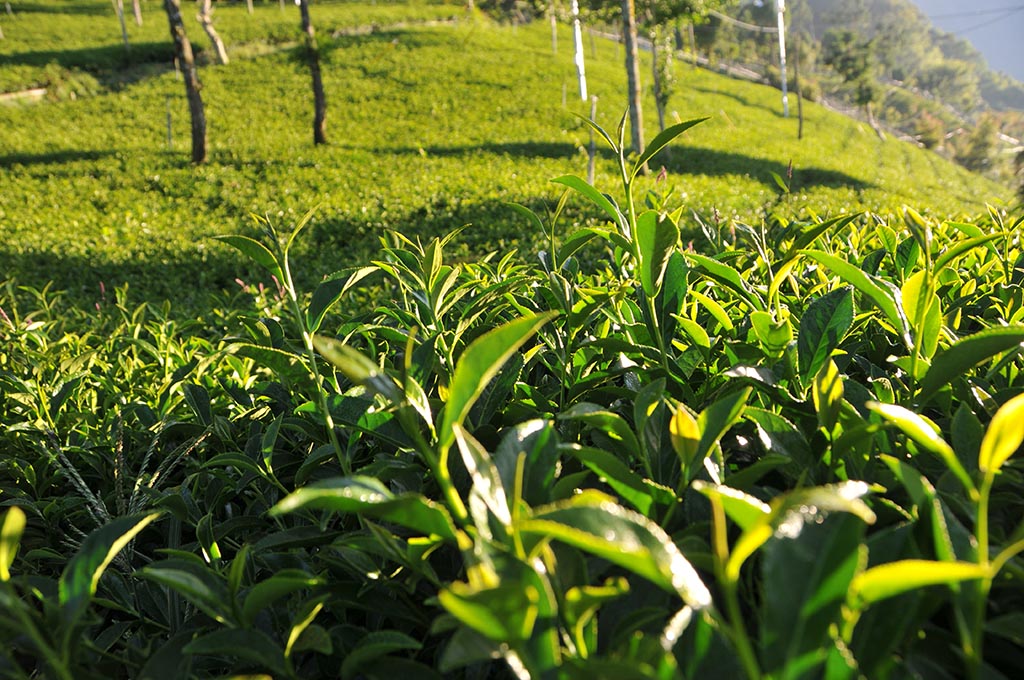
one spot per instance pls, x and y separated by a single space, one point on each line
431 128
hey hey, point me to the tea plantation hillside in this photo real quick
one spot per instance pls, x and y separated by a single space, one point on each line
716 421
432 126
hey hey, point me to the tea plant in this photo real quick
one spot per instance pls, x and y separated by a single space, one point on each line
785 450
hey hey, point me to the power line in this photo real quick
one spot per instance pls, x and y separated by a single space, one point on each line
990 21
743 24
978 12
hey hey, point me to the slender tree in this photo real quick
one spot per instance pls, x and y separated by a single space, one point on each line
205 18
137 11
313 57
119 9
183 52
629 38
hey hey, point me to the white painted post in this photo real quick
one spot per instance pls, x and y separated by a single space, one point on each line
581 71
782 58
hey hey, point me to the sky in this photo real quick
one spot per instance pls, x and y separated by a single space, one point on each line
994 27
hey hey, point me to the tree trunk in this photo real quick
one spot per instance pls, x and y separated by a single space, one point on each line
248 4
313 55
205 18
137 11
656 74
799 92
119 8
183 50
633 75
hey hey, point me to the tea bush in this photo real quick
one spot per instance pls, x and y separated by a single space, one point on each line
432 127
788 453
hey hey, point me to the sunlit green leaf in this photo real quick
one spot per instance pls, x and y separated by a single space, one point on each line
368 496
893 578
593 523
656 239
10 537
1003 437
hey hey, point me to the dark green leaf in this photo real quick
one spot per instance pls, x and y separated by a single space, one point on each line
284 582
81 576
251 645
961 357
373 646
822 327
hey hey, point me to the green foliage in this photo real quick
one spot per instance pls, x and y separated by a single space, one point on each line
788 449
474 121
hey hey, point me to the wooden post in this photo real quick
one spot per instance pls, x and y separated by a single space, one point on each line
554 31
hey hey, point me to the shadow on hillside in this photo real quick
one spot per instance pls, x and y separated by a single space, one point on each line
110 57
65 7
513 149
740 99
196 279
54 157
698 161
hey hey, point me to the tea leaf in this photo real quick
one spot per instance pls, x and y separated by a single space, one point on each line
358 368
595 524
743 509
729 277
368 496
255 251
827 394
616 474
480 362
893 578
10 537
656 239
282 583
961 247
822 327
374 645
1003 437
926 435
684 434
197 583
967 353
484 475
663 139
863 282
80 578
251 645
595 197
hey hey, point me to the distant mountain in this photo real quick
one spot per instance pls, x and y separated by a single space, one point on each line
994 27
910 48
